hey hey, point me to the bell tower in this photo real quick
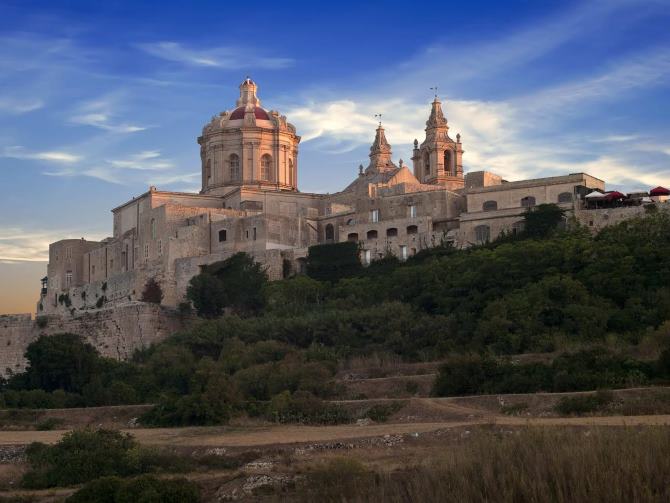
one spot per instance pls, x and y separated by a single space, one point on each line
439 159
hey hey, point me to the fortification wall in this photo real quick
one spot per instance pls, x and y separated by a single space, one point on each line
115 332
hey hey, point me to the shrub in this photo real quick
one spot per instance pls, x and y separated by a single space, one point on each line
42 321
100 302
382 411
80 456
141 489
152 292
340 479
102 490
188 410
303 407
584 404
48 424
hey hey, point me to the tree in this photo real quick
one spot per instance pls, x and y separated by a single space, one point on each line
541 220
331 262
61 361
236 282
152 292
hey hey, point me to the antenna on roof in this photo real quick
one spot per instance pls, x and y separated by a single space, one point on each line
434 89
379 116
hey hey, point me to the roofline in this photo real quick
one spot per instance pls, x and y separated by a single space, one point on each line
166 192
532 181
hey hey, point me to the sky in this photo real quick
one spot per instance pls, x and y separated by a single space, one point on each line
100 100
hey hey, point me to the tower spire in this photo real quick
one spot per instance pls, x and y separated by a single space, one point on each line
380 151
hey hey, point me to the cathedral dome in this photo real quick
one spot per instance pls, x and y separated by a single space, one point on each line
259 113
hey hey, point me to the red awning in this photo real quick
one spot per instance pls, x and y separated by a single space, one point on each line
611 196
659 191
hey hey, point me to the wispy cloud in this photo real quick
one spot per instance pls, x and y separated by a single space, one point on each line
149 160
18 152
19 106
228 57
99 114
18 244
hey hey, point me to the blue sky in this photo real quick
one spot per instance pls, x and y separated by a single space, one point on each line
99 100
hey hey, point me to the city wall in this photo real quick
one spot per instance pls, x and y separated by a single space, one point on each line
115 332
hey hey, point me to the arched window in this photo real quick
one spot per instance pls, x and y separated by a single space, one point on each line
290 172
153 228
372 235
426 163
528 202
490 206
391 232
447 163
565 197
353 237
266 167
234 161
482 234
330 232
351 221
412 229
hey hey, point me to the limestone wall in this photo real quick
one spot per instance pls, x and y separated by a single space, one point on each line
115 332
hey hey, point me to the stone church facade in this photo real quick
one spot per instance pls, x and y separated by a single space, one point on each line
250 203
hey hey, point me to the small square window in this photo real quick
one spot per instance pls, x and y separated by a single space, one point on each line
223 235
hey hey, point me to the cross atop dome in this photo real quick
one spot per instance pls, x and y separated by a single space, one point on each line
248 94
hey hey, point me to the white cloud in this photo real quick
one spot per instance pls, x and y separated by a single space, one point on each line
144 161
32 245
18 152
232 58
99 114
20 106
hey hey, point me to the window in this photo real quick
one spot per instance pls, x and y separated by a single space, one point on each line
254 229
351 221
153 228
482 234
490 206
372 235
208 171
247 233
517 227
160 247
353 237
223 235
426 163
565 197
290 172
528 202
374 216
68 278
68 253
111 264
92 269
234 162
447 162
391 232
412 229
412 211
330 232
266 167
146 251
403 252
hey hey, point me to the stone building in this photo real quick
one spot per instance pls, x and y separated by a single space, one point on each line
250 202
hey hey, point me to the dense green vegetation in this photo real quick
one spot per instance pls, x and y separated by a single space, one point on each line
272 349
